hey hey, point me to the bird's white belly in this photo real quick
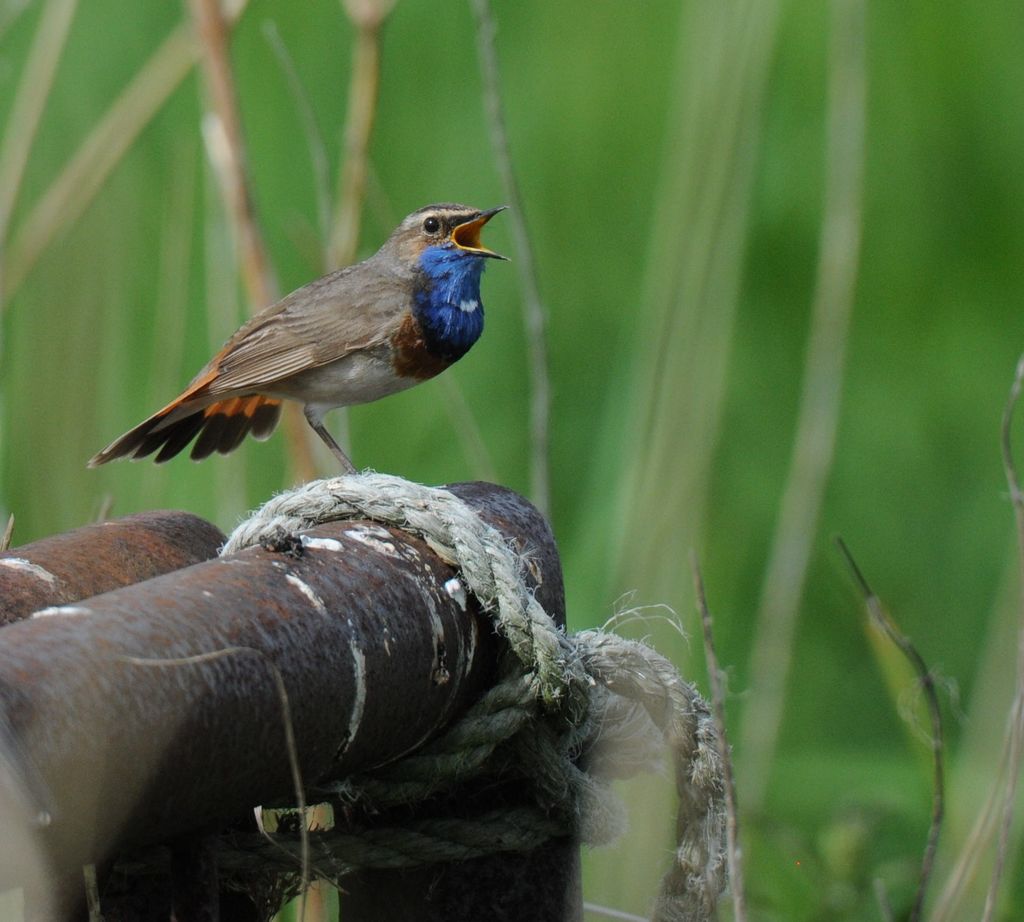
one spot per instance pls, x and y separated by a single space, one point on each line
356 378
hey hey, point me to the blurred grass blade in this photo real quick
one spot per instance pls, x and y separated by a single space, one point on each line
671 408
1006 787
814 443
467 429
691 289
887 629
980 766
314 137
114 133
29 101
9 13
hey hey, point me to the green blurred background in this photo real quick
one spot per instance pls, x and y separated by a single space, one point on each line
673 163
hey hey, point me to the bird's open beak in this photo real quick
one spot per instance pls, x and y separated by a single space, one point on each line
466 236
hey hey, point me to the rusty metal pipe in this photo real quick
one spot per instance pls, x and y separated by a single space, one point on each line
98 558
366 627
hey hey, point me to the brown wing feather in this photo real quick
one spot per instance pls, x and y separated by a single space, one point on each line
349 310
352 309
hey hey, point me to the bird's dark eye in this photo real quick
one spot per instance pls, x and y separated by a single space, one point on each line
431 225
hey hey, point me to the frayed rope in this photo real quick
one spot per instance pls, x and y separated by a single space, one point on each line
589 697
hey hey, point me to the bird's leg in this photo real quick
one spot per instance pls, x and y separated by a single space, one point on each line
315 419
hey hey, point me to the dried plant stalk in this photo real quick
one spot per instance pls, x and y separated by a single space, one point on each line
29 102
229 157
715 677
112 136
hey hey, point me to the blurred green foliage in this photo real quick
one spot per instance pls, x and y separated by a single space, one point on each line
130 299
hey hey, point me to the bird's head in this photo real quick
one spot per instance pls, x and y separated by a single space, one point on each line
442 235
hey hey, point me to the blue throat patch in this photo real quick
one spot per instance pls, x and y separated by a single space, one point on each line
447 303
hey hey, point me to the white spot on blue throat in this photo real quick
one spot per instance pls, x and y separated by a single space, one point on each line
448 304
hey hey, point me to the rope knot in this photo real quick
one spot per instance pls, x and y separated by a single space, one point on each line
591 699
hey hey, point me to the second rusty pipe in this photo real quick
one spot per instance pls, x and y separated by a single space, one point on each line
374 641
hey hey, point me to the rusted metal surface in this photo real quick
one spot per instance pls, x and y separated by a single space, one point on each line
98 558
364 625
539 886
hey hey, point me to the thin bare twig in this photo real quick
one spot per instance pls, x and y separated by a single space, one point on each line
882 620
105 508
534 312
973 848
1015 736
112 136
5 538
92 893
29 101
814 443
610 913
734 852
882 898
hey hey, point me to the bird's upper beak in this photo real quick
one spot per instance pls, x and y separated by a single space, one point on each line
466 236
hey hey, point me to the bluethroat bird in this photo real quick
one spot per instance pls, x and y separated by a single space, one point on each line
357 334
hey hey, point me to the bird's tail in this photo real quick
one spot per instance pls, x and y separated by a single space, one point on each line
220 426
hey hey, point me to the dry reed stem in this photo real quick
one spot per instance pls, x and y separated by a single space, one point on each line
883 621
5 538
29 101
342 230
367 16
1014 743
102 149
814 442
534 312
230 162
734 852
966 866
230 157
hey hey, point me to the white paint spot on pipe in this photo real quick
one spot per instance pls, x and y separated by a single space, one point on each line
375 538
308 592
322 544
457 591
67 610
469 650
26 566
359 700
